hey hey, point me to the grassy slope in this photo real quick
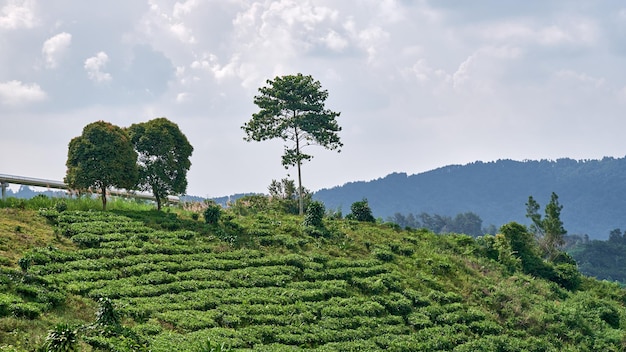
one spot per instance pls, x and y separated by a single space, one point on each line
259 282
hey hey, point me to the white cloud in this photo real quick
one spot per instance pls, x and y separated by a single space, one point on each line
172 22
181 9
335 41
582 78
564 31
16 93
94 66
54 48
182 97
18 14
210 63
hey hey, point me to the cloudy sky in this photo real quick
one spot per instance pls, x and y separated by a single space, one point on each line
419 84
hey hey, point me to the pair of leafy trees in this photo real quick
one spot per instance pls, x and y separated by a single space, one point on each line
150 156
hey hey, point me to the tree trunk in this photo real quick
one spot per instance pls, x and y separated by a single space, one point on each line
300 198
158 200
104 197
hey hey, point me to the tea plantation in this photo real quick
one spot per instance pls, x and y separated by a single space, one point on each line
138 280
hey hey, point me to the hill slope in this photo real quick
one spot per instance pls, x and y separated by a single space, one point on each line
593 192
259 281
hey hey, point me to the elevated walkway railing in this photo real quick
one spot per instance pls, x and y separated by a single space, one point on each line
5 180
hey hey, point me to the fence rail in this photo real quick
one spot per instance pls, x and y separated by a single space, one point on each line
5 180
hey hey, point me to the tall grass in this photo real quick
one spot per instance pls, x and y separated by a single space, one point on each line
83 203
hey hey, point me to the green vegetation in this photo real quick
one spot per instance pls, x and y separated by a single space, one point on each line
467 223
101 157
549 229
592 191
163 161
361 211
604 260
293 109
131 279
153 156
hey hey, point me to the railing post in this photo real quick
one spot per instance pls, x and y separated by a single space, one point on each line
4 190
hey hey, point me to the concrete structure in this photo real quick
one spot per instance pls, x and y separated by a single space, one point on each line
5 180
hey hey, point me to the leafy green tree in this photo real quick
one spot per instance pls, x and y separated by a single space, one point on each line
292 108
549 229
361 211
100 158
164 153
468 223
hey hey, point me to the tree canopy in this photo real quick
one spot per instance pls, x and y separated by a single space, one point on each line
100 158
292 108
164 153
549 229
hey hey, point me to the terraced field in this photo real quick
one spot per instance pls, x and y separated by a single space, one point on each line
273 287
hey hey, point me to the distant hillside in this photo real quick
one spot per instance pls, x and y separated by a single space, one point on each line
593 192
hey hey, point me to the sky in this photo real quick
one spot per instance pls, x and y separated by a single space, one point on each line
419 84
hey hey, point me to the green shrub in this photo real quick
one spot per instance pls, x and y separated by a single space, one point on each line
87 240
212 214
107 315
361 211
61 206
25 310
63 338
314 214
567 276
383 255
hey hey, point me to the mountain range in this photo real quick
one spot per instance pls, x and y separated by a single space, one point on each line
592 192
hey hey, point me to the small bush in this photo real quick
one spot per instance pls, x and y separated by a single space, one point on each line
61 206
25 310
385 256
212 214
62 338
107 314
361 211
567 276
315 214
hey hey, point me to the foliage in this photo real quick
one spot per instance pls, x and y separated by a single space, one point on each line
603 260
315 214
63 338
361 211
468 223
367 287
251 204
163 157
523 246
107 315
102 157
549 230
292 109
592 190
212 213
285 196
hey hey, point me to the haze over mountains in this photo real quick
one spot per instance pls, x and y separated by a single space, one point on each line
592 192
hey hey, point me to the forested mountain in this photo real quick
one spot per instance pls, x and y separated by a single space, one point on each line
592 192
